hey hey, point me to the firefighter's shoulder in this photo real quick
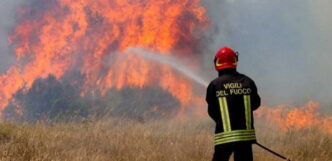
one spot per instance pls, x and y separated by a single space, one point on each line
247 78
214 81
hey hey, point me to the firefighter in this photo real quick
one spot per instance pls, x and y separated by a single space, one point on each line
232 98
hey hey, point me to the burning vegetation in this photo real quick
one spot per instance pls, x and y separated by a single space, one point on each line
286 117
72 65
60 37
71 62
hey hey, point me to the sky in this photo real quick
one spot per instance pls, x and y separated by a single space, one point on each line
284 45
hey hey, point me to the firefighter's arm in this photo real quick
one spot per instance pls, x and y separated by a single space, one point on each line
255 99
210 99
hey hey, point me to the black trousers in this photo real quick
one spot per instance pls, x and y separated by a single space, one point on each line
242 152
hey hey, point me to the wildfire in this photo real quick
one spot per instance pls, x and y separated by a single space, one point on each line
286 118
89 36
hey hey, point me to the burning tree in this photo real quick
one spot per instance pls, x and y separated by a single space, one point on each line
59 37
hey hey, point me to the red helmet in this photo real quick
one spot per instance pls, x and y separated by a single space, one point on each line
225 58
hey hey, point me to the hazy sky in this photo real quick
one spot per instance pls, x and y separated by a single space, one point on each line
284 45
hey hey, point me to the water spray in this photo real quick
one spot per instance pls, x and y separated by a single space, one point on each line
171 62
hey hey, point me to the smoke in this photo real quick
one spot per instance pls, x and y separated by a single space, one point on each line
7 21
284 46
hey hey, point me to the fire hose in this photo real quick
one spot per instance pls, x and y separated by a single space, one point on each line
273 152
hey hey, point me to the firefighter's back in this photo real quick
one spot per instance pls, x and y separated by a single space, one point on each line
234 96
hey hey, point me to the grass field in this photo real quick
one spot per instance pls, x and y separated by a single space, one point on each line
127 140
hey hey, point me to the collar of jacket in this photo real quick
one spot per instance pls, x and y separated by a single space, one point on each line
227 71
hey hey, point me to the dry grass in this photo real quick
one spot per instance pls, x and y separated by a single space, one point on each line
124 140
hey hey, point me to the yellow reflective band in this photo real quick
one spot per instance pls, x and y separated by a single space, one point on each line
247 105
218 64
224 113
228 121
223 117
235 139
234 136
234 133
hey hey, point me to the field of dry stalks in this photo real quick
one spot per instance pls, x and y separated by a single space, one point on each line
125 140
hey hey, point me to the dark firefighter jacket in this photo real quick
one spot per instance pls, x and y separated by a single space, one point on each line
232 98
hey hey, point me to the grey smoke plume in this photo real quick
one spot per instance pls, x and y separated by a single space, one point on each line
7 21
284 45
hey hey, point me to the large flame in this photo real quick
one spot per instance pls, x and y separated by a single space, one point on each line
89 36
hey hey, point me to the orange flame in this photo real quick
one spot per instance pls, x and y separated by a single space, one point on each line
89 35
286 118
